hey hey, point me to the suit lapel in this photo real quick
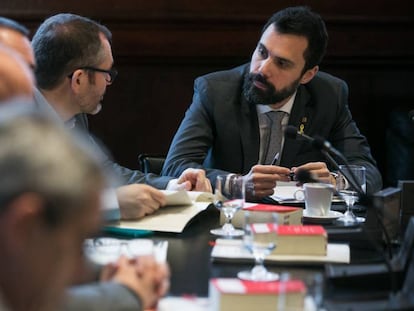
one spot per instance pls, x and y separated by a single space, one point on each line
249 134
299 118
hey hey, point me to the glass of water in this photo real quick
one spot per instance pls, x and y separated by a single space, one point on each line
229 198
260 240
348 193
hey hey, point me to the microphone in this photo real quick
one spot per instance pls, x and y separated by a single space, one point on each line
326 148
318 142
304 176
411 115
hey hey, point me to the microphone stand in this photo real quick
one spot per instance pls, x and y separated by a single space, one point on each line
326 148
364 199
367 200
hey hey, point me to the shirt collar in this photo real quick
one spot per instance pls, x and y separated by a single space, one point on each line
286 107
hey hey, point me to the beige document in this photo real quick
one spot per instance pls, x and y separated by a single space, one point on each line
181 207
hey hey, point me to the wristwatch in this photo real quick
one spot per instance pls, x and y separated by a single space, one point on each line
334 178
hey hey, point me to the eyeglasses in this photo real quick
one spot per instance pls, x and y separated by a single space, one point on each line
110 74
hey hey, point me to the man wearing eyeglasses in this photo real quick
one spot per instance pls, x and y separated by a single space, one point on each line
74 66
125 285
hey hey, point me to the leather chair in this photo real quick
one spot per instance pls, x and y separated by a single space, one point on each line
151 163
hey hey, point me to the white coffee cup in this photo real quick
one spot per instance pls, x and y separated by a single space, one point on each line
318 198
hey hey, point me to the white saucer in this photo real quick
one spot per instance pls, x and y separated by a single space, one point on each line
332 215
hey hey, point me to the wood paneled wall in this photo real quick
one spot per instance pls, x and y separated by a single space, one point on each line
160 46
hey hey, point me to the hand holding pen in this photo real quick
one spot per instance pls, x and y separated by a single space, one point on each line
291 175
262 179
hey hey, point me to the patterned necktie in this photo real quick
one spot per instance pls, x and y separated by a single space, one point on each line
276 135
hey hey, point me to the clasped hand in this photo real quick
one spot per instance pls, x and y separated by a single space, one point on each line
143 275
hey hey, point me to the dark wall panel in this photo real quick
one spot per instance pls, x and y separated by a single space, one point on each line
161 46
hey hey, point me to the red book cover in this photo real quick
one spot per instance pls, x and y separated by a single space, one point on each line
269 208
289 230
236 286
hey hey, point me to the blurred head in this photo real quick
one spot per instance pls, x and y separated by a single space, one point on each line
16 37
49 203
16 78
74 52
292 44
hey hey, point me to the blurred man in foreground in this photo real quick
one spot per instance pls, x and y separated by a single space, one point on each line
129 201
15 76
50 201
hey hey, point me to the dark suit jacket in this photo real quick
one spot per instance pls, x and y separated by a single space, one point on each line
125 175
104 296
220 130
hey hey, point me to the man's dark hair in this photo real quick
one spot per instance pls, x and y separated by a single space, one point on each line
302 21
42 158
13 25
64 43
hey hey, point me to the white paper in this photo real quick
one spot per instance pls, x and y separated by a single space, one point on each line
104 254
285 191
183 197
166 219
234 249
183 304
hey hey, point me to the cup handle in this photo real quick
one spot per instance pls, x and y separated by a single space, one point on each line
299 195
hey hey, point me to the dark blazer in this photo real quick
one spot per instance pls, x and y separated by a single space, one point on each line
220 130
124 174
103 296
80 123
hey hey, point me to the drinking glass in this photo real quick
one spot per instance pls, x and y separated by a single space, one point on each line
229 198
348 193
260 240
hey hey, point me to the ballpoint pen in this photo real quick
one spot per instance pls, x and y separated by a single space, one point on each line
275 159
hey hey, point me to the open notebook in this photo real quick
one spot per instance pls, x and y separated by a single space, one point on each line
181 207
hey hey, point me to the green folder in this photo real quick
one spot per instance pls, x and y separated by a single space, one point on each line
135 233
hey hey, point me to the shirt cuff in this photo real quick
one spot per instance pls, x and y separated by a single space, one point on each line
110 205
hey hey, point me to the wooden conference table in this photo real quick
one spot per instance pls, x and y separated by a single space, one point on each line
189 257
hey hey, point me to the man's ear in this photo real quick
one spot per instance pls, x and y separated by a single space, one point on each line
77 79
23 217
309 74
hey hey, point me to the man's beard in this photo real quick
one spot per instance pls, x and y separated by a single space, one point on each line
97 109
269 96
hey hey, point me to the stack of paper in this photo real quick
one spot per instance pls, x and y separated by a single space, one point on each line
233 250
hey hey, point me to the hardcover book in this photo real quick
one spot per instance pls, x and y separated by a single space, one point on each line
293 239
286 215
235 294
